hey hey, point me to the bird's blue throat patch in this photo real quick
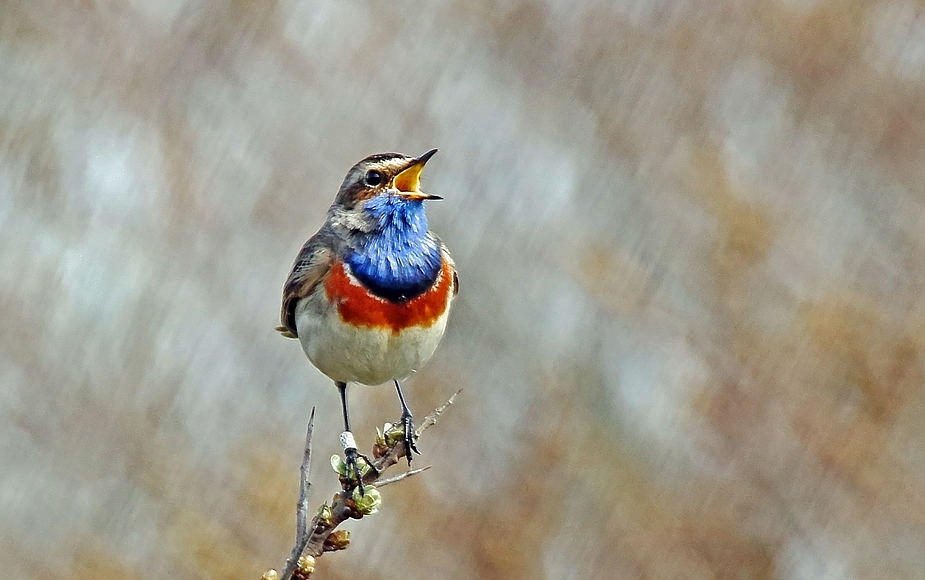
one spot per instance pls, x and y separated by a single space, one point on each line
398 260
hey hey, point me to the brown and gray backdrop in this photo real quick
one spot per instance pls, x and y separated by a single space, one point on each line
691 329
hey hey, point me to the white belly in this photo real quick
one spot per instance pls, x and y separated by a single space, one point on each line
364 355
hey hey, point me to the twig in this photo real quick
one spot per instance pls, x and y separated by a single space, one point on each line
305 487
391 456
432 418
320 535
385 482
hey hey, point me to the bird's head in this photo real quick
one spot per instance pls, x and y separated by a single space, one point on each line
384 174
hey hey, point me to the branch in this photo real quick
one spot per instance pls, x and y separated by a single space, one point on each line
400 476
322 535
305 486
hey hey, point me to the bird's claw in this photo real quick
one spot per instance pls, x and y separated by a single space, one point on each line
354 472
407 421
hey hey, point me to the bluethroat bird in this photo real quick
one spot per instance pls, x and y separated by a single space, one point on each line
369 294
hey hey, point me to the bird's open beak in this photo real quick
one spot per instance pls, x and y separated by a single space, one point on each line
408 182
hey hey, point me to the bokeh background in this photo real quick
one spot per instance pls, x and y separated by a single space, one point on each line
691 242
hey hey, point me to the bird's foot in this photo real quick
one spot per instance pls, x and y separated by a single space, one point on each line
407 421
355 470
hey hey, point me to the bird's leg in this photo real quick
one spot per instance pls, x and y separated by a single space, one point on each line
407 421
347 440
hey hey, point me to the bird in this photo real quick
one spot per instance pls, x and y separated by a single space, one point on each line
369 293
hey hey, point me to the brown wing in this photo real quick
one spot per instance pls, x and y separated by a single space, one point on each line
310 269
449 258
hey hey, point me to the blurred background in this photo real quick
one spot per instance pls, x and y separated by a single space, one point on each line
691 326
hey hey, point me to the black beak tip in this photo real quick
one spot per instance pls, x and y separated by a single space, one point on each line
423 158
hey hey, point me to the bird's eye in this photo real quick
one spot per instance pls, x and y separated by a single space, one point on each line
372 178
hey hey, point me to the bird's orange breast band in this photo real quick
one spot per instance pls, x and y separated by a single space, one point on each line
356 305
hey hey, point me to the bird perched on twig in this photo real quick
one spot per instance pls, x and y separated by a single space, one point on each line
369 294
